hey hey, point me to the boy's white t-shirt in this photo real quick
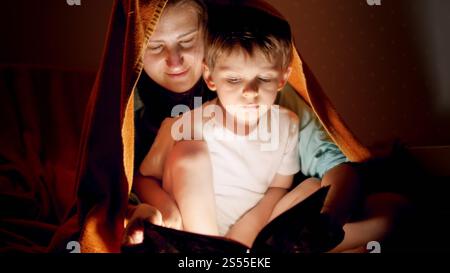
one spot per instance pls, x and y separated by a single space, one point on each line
243 168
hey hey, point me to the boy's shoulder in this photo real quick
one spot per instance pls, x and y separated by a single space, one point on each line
288 117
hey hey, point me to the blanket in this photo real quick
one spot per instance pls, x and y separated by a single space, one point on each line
41 113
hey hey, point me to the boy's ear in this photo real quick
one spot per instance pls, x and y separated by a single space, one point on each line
208 78
285 78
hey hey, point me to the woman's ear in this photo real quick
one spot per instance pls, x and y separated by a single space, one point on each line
284 78
208 78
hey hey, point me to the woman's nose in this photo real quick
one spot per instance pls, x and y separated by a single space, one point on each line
174 58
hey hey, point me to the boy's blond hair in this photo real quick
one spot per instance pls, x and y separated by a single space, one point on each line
246 28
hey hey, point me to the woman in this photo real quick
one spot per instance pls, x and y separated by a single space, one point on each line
172 76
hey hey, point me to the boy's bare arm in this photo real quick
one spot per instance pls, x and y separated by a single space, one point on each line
157 208
147 183
250 224
149 191
153 163
344 192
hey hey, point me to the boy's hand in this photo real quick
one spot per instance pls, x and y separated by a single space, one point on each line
134 231
172 219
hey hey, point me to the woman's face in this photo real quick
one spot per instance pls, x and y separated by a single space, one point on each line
174 54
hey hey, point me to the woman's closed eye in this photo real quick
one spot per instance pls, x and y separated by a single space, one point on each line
155 49
187 43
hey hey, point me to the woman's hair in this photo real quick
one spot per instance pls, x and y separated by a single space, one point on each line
247 28
200 7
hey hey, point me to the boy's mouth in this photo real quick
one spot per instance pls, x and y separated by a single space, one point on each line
250 106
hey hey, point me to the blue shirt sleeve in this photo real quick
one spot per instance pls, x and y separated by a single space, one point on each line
318 153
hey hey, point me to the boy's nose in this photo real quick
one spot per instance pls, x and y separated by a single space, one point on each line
250 94
174 58
251 90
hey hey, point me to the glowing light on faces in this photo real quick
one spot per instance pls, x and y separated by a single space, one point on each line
245 83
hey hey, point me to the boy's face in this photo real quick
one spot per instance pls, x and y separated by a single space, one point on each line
245 84
173 58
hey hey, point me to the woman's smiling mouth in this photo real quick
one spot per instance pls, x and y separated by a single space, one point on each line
177 74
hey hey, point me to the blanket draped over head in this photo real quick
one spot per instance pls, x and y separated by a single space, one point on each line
104 172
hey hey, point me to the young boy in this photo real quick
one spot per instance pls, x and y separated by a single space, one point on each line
238 159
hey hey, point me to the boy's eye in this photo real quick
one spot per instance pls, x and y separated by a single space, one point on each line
233 80
265 79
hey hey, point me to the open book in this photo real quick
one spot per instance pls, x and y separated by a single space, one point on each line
301 229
